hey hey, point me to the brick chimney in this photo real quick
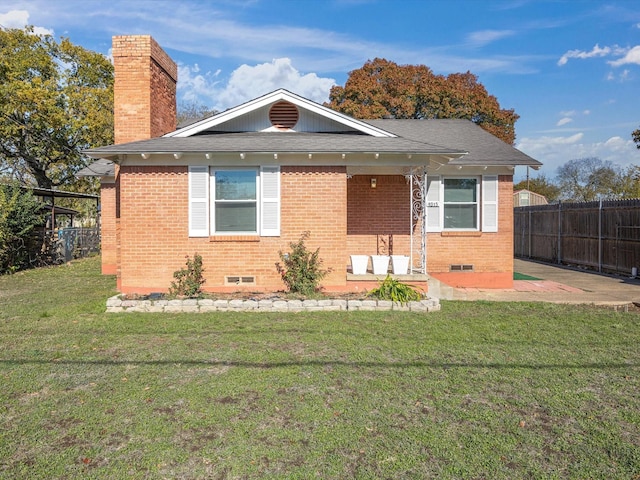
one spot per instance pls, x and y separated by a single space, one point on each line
144 106
145 89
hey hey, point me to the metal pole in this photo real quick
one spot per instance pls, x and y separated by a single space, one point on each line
559 232
600 237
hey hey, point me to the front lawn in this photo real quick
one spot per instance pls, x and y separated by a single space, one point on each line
477 390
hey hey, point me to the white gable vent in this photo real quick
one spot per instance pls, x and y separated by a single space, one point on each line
283 115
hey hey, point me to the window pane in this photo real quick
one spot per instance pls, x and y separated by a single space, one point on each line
460 189
460 216
236 217
235 185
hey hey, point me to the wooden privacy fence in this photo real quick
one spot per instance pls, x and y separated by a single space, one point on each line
602 235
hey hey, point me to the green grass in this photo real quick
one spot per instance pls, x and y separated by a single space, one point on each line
477 390
522 276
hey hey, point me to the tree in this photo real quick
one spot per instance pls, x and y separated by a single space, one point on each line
630 182
56 99
192 112
588 179
540 185
382 88
636 137
20 213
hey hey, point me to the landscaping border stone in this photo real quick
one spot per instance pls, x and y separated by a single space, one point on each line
117 304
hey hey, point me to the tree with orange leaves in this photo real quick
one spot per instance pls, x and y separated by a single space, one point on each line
382 89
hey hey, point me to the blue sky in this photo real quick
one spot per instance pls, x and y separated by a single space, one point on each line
570 69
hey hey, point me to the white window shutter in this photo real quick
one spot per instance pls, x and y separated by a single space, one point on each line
434 204
490 203
270 201
198 201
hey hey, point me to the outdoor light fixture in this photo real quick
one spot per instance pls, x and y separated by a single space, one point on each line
374 182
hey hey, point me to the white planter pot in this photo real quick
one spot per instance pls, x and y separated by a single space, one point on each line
400 264
359 264
380 264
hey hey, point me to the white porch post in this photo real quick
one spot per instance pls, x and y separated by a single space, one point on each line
418 184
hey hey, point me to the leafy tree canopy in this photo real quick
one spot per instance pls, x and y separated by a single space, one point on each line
540 185
588 179
636 137
382 88
56 99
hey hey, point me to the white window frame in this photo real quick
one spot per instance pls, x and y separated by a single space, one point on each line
215 202
477 203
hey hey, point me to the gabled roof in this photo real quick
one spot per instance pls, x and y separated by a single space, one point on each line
241 130
342 121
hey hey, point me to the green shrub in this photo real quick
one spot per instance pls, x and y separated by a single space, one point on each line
189 279
20 213
301 270
396 291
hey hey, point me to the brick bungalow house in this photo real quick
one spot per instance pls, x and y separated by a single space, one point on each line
239 186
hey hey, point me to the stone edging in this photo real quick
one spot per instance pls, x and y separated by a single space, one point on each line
191 305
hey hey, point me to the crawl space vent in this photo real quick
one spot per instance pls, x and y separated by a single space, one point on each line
283 115
461 268
238 280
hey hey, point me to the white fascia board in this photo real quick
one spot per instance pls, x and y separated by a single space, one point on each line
275 96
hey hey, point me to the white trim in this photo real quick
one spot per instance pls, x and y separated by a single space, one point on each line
273 97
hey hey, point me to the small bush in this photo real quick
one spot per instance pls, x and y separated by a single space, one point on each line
396 291
189 279
301 270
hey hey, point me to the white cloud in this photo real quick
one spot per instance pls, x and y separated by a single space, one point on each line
484 37
564 121
248 82
20 19
630 56
596 51
554 151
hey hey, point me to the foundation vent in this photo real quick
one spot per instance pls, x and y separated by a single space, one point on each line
461 268
239 280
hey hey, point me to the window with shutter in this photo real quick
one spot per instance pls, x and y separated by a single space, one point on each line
232 201
462 203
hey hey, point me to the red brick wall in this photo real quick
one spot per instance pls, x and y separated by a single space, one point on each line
378 219
154 230
491 254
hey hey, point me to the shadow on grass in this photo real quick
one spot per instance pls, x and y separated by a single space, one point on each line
324 363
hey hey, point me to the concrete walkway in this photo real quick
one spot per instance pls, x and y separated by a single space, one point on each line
558 284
